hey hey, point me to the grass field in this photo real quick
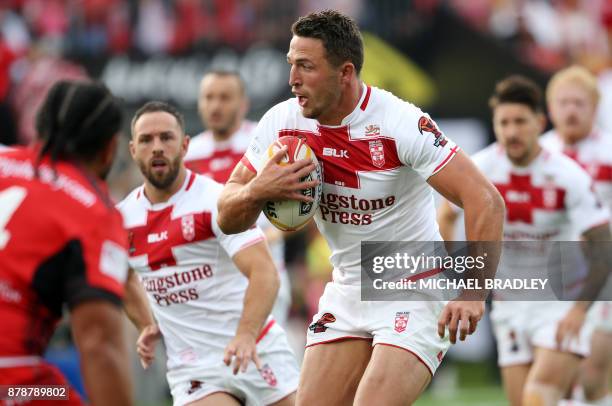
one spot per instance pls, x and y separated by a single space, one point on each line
485 396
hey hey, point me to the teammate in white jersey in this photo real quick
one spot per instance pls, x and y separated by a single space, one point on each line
378 154
572 97
222 104
211 293
548 197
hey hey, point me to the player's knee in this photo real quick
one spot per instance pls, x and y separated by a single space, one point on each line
541 394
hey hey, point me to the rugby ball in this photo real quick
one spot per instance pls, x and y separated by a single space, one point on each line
291 215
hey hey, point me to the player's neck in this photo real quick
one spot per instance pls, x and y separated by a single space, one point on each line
156 195
573 139
527 159
347 103
219 136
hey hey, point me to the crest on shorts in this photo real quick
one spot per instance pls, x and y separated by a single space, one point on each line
195 386
401 321
268 375
188 227
319 326
377 152
372 130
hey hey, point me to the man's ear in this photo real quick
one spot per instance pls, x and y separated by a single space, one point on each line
346 72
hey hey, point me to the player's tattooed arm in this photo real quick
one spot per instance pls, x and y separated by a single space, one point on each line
245 193
255 262
599 258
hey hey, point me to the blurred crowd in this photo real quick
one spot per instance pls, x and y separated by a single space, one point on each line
38 38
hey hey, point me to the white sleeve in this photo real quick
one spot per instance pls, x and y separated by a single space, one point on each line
420 143
264 134
234 243
584 208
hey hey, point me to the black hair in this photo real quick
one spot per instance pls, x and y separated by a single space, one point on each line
77 120
157 106
517 89
339 33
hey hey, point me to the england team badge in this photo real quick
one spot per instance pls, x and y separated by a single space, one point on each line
377 152
401 321
188 227
268 375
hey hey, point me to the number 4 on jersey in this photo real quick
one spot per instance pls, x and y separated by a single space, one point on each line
10 199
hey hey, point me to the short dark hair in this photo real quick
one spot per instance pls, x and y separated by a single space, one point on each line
231 73
76 120
157 106
517 89
339 33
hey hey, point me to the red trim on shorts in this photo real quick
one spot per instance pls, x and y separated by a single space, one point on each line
338 339
245 161
364 104
449 156
190 182
411 352
425 274
265 330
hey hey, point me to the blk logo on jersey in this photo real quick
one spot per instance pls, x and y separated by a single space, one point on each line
401 321
337 153
377 151
157 237
319 326
268 375
426 124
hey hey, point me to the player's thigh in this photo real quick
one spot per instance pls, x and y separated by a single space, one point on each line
288 400
394 376
601 350
514 378
216 399
555 368
331 372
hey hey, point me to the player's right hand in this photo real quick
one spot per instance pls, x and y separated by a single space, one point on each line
462 315
146 343
282 182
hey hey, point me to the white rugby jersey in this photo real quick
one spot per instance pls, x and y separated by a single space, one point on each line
185 264
217 159
549 200
594 154
375 167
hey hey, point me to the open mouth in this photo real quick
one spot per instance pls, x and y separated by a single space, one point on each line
302 100
159 164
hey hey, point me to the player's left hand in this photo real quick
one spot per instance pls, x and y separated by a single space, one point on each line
460 314
570 325
243 349
145 346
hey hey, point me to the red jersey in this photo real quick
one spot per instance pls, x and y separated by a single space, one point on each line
61 242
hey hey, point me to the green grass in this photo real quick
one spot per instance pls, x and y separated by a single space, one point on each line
485 396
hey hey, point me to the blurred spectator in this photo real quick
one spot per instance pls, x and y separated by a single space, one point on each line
42 71
7 121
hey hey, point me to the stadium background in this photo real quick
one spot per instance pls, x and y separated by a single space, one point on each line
442 55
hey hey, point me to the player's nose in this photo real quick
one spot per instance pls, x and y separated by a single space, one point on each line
294 79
